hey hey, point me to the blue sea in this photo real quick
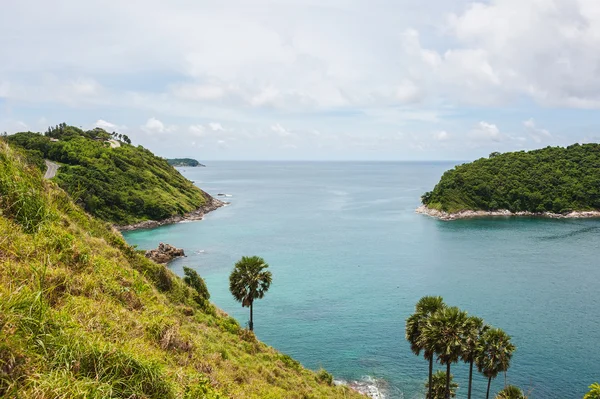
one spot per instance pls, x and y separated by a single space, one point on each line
350 258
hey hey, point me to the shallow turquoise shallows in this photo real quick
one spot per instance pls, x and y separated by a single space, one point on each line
350 258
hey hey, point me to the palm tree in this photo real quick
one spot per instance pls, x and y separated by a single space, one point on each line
511 392
249 281
424 309
444 333
594 392
494 354
474 329
439 386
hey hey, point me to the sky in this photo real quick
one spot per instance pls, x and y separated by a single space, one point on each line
307 80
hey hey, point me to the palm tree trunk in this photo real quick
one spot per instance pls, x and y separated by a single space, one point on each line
470 378
487 396
448 381
430 377
504 378
251 323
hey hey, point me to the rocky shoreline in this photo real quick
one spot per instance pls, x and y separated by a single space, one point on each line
198 214
368 386
467 214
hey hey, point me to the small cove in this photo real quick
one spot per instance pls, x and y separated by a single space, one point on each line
350 258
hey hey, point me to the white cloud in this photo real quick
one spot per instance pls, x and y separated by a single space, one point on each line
441 135
216 127
154 126
335 67
408 92
537 134
545 49
108 126
294 57
4 89
197 130
199 92
280 130
485 131
85 87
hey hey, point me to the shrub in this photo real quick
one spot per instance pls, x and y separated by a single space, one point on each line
193 279
325 377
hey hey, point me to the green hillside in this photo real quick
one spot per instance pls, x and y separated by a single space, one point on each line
83 315
552 179
122 185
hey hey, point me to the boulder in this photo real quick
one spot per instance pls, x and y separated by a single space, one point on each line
164 253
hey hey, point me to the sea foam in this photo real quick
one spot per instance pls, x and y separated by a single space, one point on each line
372 387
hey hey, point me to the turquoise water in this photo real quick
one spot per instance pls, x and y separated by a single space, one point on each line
350 258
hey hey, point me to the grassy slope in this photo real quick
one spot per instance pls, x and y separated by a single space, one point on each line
122 185
83 315
552 179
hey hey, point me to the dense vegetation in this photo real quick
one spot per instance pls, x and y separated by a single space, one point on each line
450 334
553 179
183 162
123 185
84 315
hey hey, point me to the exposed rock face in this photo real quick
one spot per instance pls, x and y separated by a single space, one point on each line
423 209
198 214
164 253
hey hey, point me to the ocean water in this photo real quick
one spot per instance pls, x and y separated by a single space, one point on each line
350 259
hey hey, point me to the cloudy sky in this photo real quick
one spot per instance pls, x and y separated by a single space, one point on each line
307 79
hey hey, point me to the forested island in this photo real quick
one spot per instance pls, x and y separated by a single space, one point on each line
112 179
179 162
85 315
552 181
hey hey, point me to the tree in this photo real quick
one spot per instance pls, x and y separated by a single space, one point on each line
494 354
475 328
443 332
424 309
594 392
249 281
438 390
511 392
193 279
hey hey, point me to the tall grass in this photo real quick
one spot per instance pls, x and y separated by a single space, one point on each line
83 315
21 191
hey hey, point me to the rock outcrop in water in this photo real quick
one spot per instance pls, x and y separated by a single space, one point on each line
164 253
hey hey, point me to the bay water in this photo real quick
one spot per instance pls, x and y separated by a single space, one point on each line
350 258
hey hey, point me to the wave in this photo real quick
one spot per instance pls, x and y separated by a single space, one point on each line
374 388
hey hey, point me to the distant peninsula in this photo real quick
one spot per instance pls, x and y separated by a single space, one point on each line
178 162
114 180
553 182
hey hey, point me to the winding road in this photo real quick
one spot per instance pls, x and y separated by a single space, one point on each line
52 169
